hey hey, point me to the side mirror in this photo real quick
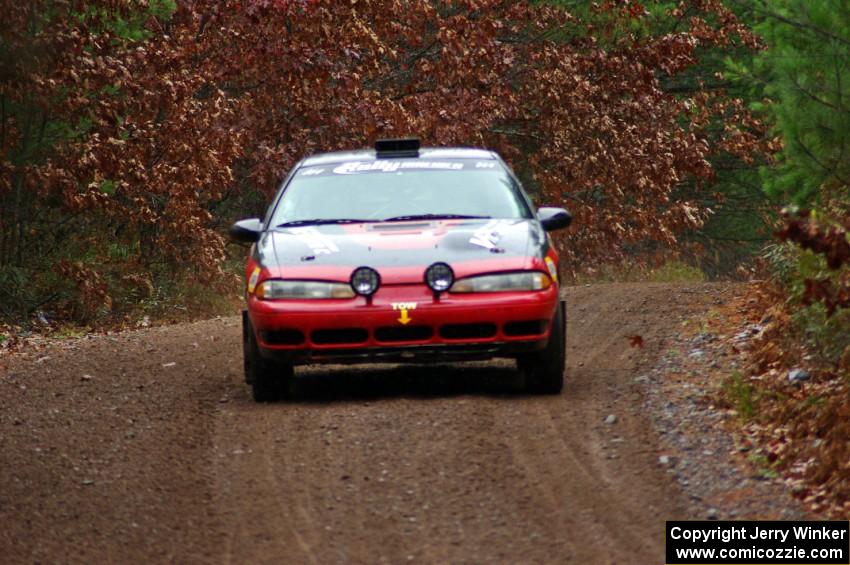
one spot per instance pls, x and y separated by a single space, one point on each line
554 218
246 231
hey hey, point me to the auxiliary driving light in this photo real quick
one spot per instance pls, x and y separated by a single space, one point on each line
439 277
365 281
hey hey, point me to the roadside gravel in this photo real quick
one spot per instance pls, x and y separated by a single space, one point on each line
723 479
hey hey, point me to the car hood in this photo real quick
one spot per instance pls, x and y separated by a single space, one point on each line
400 251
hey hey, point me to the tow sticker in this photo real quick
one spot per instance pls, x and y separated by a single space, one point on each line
404 307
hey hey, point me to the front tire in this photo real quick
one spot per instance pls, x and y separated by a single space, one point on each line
269 380
544 370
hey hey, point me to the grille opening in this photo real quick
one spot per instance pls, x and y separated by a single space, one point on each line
282 337
467 331
525 327
405 333
341 335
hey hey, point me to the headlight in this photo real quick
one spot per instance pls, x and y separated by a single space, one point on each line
278 289
526 280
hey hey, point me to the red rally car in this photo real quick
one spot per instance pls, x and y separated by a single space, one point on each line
402 254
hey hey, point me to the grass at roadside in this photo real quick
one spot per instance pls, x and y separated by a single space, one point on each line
173 301
672 271
740 394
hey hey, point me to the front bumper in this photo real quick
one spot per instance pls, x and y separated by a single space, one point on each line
404 323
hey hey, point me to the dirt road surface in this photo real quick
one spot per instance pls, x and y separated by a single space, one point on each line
146 447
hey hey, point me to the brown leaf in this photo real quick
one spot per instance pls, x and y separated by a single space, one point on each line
635 341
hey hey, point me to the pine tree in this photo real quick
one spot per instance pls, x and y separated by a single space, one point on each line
806 70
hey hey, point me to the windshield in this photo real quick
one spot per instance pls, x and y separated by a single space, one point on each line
402 189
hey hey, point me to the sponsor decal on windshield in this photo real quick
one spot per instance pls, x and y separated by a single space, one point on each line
384 166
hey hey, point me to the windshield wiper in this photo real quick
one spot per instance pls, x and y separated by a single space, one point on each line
434 217
319 221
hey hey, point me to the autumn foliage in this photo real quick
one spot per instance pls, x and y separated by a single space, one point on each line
133 131
832 241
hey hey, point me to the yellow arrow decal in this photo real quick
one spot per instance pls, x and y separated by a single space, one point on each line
404 318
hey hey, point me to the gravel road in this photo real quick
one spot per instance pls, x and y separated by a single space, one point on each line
145 446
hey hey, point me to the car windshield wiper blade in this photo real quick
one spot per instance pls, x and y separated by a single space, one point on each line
319 221
435 217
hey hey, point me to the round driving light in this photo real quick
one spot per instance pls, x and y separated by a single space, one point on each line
439 277
365 281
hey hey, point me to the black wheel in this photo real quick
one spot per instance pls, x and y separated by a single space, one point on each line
544 370
269 381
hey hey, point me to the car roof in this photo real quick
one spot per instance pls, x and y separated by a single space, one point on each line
424 153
